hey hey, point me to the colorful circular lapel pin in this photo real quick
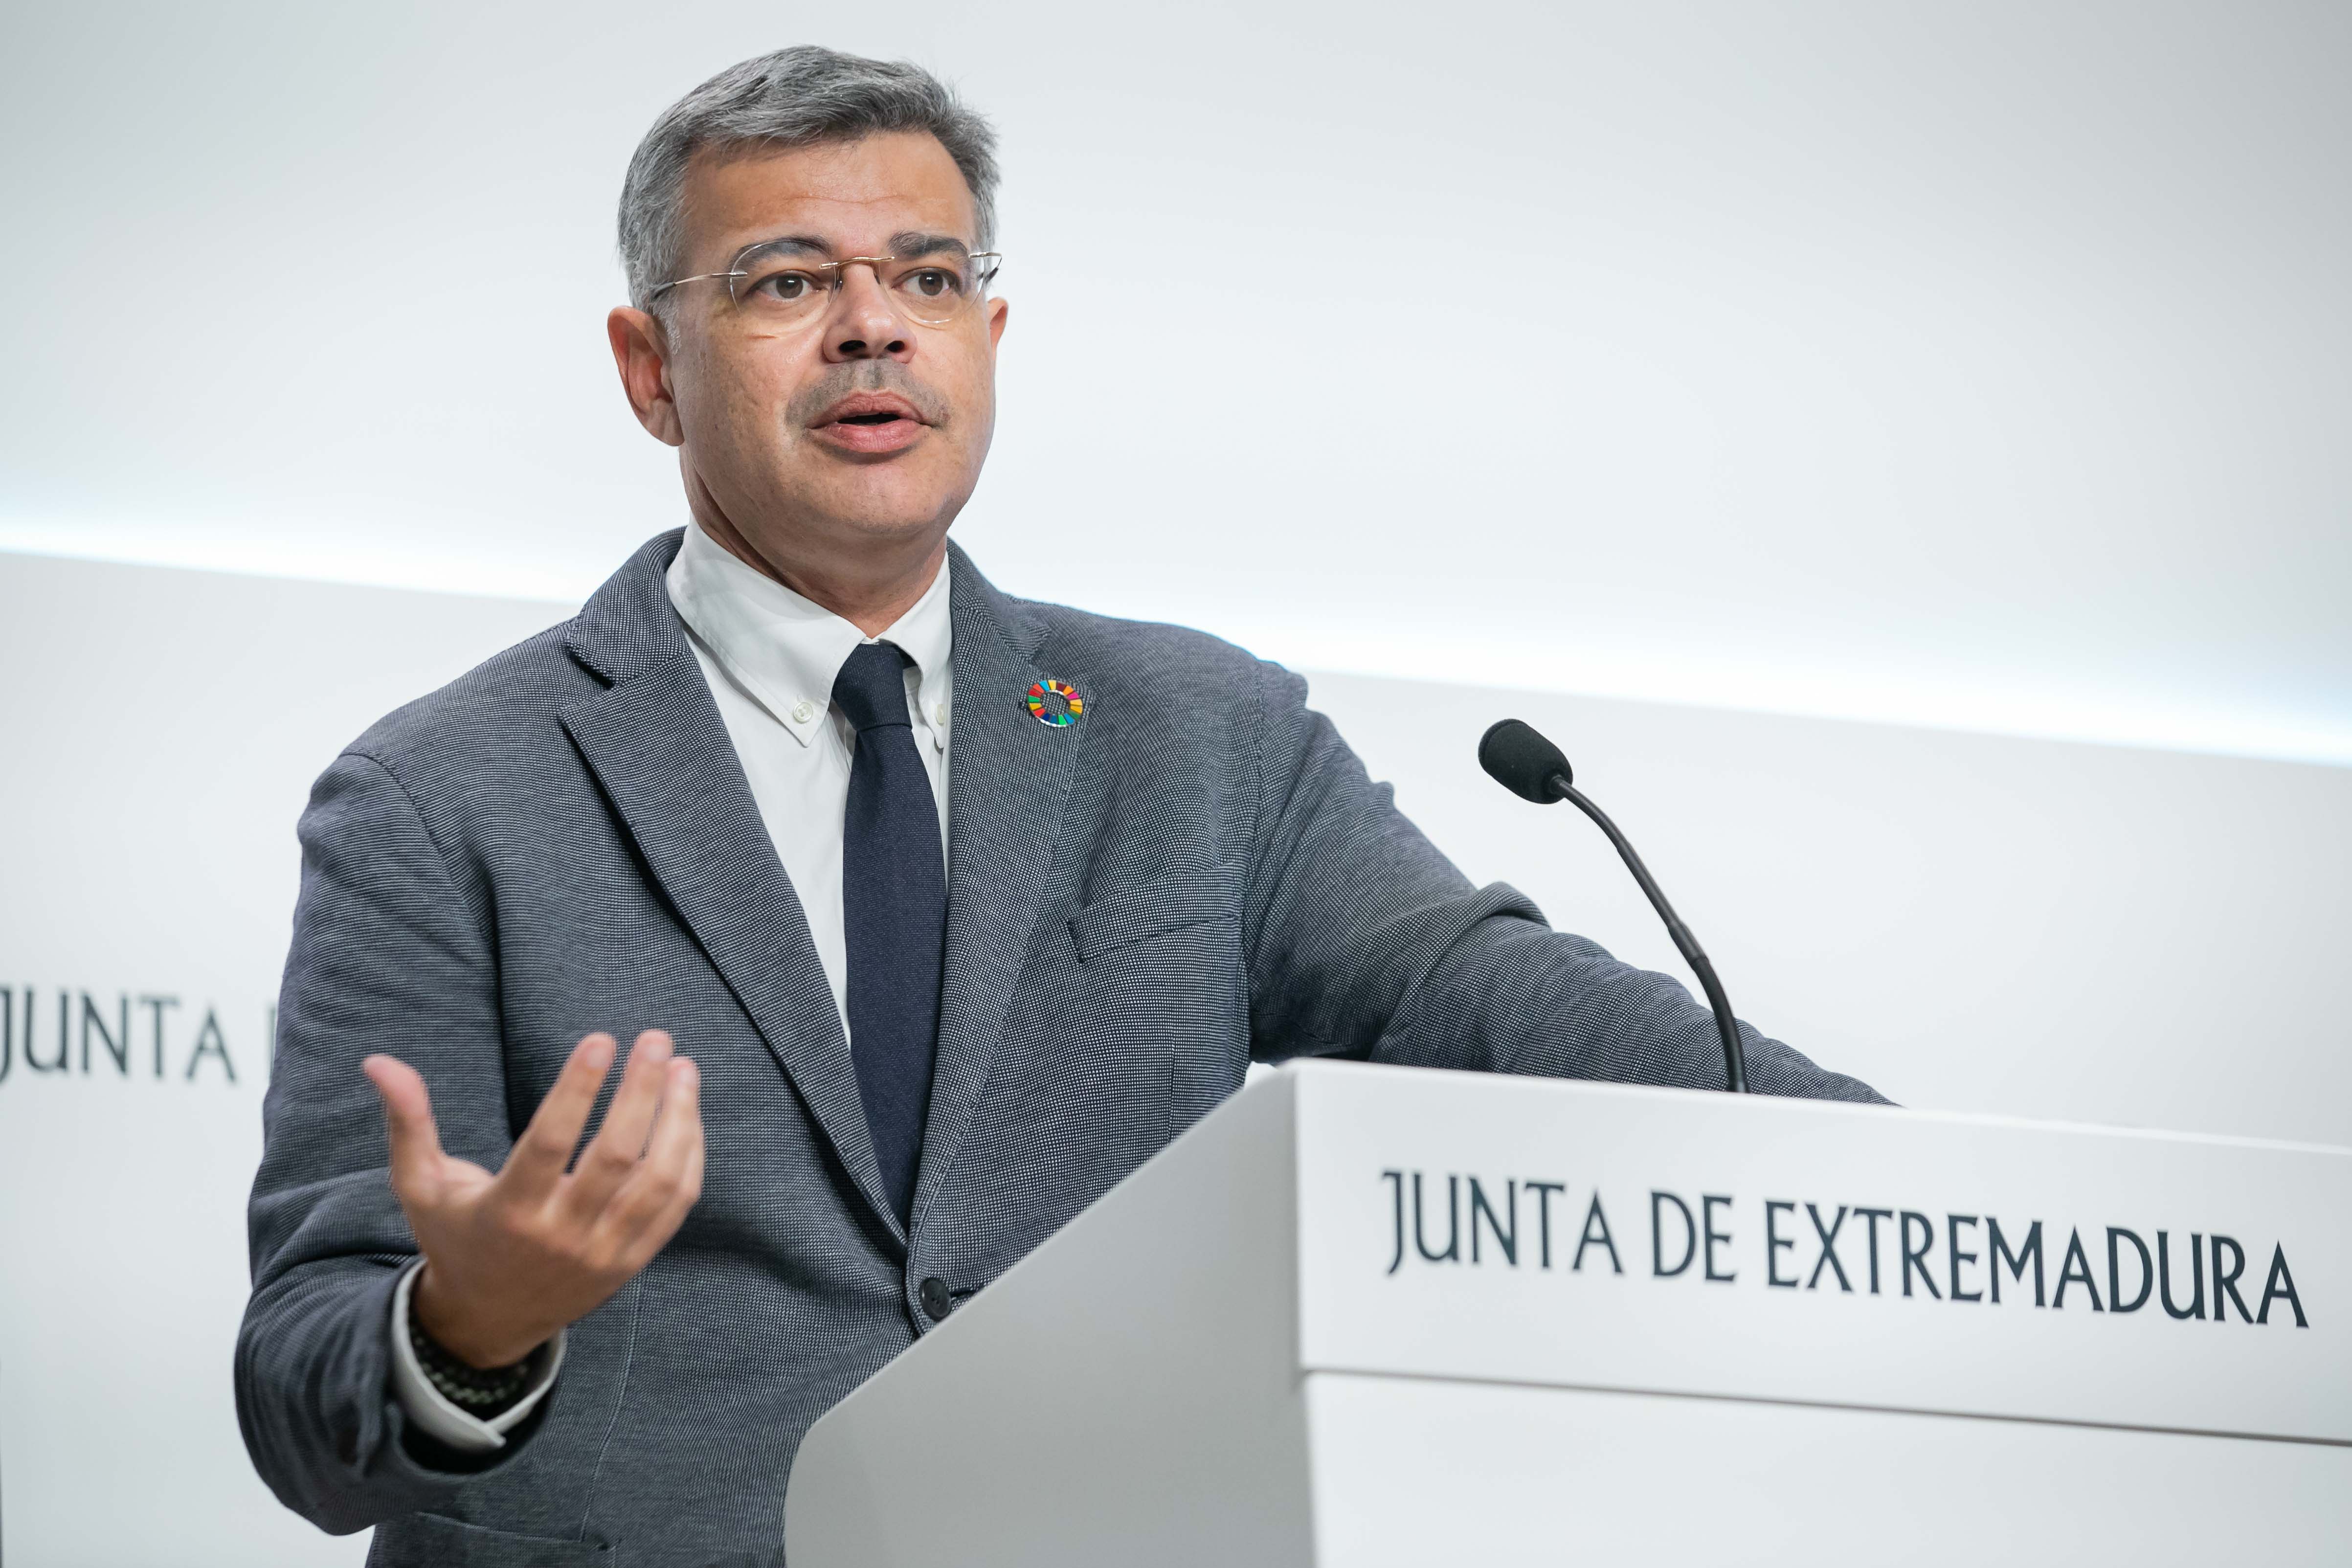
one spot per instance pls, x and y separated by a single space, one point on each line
1055 702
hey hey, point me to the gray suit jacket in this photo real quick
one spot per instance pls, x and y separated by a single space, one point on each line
1196 873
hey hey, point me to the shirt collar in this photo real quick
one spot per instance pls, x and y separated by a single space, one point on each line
785 651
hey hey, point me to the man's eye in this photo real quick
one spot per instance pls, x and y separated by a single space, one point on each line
930 282
790 288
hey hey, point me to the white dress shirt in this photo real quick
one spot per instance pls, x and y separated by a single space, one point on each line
771 658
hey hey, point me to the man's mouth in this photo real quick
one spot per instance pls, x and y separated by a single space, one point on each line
870 422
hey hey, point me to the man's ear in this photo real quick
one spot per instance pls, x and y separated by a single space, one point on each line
641 353
996 309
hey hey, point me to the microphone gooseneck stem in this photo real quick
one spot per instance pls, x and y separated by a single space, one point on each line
1734 1060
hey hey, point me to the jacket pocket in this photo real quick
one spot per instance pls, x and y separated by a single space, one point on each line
440 1542
1129 915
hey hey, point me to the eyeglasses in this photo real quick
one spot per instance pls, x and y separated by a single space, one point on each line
781 282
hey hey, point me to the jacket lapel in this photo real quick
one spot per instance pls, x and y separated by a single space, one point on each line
1008 782
658 747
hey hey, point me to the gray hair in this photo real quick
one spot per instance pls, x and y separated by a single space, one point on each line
798 97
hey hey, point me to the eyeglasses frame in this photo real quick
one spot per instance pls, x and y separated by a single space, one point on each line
995 259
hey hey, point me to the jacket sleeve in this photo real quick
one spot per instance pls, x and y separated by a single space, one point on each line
387 957
1364 942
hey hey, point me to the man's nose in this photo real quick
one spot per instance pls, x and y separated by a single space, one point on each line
863 325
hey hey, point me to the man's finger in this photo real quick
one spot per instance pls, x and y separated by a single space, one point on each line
655 1231
545 1147
677 1139
612 1158
408 1122
668 1180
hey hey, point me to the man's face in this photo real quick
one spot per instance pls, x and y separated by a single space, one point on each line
856 428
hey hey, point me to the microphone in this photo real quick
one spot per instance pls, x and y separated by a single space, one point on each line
1517 757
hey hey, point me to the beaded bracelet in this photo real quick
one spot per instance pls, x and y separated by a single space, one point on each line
475 1390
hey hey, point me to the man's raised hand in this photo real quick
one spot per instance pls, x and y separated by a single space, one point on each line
511 1259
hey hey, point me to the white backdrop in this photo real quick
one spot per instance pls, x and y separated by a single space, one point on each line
1979 363
2041 928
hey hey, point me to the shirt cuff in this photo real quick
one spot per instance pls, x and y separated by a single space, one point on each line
434 1415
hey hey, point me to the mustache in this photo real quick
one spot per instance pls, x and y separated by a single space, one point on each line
839 380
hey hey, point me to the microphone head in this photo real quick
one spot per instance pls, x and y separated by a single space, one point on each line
1517 757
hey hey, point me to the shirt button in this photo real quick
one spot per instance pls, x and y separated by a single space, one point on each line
935 1299
803 710
940 715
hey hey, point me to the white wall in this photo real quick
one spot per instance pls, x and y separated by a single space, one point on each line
1972 364
2045 929
162 728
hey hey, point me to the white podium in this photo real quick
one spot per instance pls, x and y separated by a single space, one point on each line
1369 1316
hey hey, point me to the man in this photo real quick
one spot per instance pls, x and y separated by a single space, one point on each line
930 913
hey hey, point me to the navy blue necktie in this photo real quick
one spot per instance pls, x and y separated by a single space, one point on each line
894 905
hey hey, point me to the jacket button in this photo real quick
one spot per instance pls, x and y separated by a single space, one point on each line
937 1301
